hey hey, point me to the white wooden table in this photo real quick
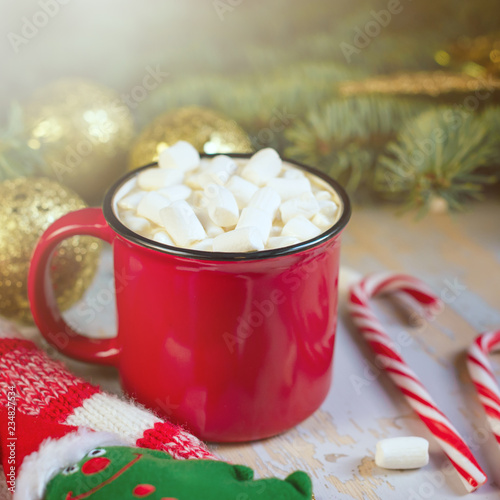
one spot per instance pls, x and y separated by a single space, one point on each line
459 257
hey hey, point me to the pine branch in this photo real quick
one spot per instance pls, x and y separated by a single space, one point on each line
346 135
438 154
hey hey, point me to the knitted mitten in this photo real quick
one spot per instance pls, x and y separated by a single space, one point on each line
44 388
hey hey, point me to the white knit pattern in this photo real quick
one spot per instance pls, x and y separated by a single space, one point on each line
104 412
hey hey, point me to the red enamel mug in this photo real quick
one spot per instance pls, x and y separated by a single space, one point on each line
235 346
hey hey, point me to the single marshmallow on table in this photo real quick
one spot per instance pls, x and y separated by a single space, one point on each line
402 453
222 206
245 239
181 223
262 166
181 155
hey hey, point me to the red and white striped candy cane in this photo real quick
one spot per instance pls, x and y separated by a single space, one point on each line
406 380
481 374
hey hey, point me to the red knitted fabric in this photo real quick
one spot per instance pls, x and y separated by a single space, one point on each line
61 407
40 382
45 388
168 437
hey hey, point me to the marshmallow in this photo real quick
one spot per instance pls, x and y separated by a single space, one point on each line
293 173
197 180
154 178
281 241
174 193
301 228
276 230
151 205
328 208
221 168
242 190
262 166
322 221
305 205
196 199
402 453
181 223
290 188
137 224
255 217
208 224
131 201
222 206
205 245
246 239
180 155
323 195
163 237
266 199
283 204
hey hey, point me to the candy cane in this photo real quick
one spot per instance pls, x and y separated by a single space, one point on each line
405 379
481 374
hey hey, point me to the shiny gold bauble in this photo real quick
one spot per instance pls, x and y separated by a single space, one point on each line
29 205
83 131
207 130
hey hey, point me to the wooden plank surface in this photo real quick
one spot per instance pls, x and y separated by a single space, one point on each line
459 257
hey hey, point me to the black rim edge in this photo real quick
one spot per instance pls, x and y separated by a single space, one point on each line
128 234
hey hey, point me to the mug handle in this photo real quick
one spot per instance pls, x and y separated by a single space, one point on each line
47 316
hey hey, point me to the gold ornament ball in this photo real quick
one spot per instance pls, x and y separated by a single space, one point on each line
208 131
29 205
83 131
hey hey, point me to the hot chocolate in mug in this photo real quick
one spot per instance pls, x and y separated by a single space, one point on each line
235 346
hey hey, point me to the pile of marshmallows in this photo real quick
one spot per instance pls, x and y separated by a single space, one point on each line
227 205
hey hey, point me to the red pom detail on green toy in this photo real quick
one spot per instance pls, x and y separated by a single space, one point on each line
95 465
143 490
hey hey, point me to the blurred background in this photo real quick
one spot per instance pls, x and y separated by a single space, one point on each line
397 99
332 83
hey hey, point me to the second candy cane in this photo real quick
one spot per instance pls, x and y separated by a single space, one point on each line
405 379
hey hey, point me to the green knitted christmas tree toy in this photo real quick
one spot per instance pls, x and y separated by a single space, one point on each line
44 460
